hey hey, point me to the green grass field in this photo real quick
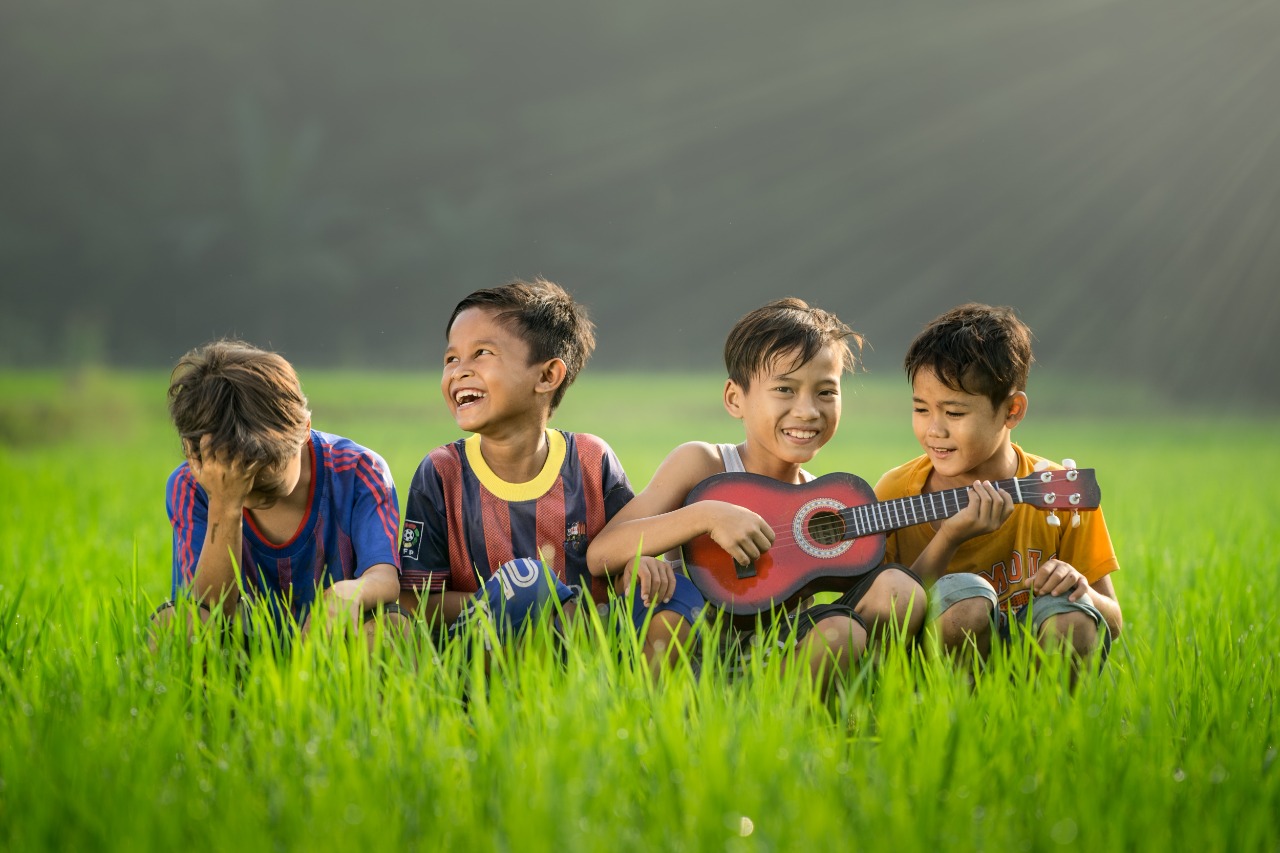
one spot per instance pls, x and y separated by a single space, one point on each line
106 746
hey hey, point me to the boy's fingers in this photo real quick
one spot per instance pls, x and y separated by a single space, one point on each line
669 577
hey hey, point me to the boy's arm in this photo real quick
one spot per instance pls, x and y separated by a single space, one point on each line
226 481
424 553
988 508
1056 577
655 521
1083 564
374 532
378 584
1108 605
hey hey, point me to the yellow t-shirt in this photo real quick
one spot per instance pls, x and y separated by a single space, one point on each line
1007 556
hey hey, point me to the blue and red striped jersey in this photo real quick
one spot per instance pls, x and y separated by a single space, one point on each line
351 523
462 521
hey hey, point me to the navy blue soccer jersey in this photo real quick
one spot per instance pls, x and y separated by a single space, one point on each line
462 521
351 523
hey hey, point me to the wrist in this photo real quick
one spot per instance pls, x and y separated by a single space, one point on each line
224 508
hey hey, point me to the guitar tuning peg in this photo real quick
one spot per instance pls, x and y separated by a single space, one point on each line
1075 518
1068 463
1042 465
1052 520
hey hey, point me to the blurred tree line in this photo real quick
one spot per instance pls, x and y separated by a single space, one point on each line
328 177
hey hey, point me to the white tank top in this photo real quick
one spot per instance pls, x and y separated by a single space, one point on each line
732 459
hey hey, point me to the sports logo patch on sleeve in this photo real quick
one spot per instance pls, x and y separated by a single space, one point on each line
411 539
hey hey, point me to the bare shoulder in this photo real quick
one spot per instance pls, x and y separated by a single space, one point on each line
690 463
685 467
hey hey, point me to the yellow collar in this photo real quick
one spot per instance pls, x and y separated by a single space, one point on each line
515 492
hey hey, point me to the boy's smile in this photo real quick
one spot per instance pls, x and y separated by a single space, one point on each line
788 412
964 435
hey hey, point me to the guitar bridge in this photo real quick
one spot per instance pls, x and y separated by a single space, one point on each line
745 570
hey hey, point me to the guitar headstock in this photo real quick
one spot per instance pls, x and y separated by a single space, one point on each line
1070 489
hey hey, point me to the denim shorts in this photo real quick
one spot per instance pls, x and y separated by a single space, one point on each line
953 588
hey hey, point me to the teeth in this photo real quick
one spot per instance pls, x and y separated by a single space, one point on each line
802 433
467 396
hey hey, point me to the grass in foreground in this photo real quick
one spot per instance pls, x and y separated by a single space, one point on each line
1172 745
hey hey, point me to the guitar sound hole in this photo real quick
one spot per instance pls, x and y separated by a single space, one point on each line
826 527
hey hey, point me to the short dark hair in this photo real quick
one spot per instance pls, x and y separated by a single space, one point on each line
546 317
247 399
784 326
975 348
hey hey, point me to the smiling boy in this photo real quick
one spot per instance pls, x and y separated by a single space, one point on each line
486 512
785 361
968 371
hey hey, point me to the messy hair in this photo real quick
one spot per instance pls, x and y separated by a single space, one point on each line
784 327
974 348
545 317
248 400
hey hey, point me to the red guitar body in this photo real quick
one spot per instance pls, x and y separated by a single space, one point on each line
809 550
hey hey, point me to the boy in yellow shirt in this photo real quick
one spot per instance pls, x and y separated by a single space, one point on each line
983 566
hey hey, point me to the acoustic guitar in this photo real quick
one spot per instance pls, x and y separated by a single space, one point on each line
833 528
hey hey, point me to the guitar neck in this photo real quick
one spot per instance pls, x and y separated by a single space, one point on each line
884 516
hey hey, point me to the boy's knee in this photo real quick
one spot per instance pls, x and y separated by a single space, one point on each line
669 624
1079 630
894 595
904 593
666 630
839 635
968 620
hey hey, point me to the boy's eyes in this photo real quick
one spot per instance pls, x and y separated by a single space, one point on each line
450 359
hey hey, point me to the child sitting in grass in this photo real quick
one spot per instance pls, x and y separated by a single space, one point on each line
485 513
985 565
785 362
268 505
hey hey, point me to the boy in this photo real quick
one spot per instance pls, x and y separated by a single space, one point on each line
968 372
785 362
485 513
266 504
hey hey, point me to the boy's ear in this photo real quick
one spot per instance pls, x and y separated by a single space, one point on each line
551 376
1017 409
733 398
